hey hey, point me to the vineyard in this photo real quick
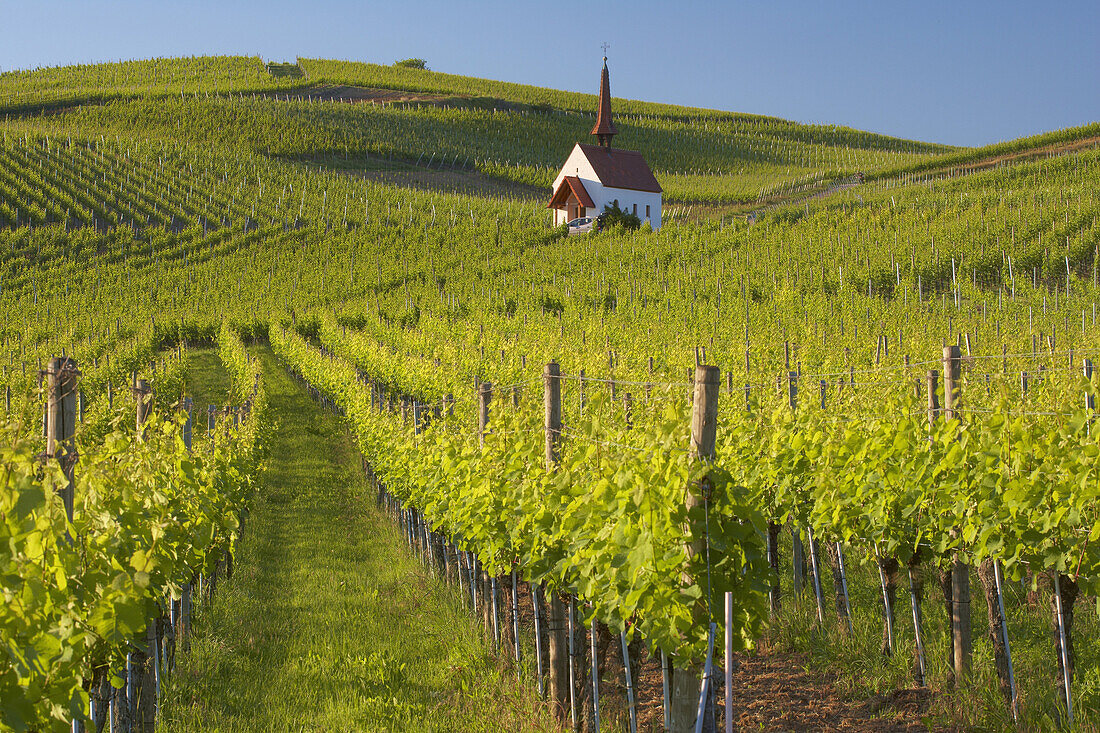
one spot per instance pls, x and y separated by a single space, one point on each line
500 130
856 427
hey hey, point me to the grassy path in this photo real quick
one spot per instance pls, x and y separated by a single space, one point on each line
208 384
329 624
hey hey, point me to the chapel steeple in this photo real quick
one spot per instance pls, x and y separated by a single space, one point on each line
604 128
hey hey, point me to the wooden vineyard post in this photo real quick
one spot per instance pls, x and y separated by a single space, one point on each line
183 627
1090 399
798 555
960 571
1066 590
915 576
63 377
989 575
484 396
812 541
686 676
580 391
772 538
515 618
61 418
188 406
45 405
552 405
435 551
557 620
933 398
143 404
141 664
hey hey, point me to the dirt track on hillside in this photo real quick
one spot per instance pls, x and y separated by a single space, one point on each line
359 95
1023 155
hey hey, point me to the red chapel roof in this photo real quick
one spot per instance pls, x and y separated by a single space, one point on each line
567 185
617 168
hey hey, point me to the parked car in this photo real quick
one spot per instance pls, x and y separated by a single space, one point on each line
585 225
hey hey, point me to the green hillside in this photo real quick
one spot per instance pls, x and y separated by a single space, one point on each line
51 86
151 211
508 131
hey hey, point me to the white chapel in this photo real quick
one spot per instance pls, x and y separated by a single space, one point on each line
599 175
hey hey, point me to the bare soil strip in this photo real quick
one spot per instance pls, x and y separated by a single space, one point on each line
360 95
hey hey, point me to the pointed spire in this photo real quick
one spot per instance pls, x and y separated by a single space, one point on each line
604 128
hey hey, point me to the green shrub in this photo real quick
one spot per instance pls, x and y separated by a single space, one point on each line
614 217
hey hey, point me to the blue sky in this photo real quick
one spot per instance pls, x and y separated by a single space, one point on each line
964 73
